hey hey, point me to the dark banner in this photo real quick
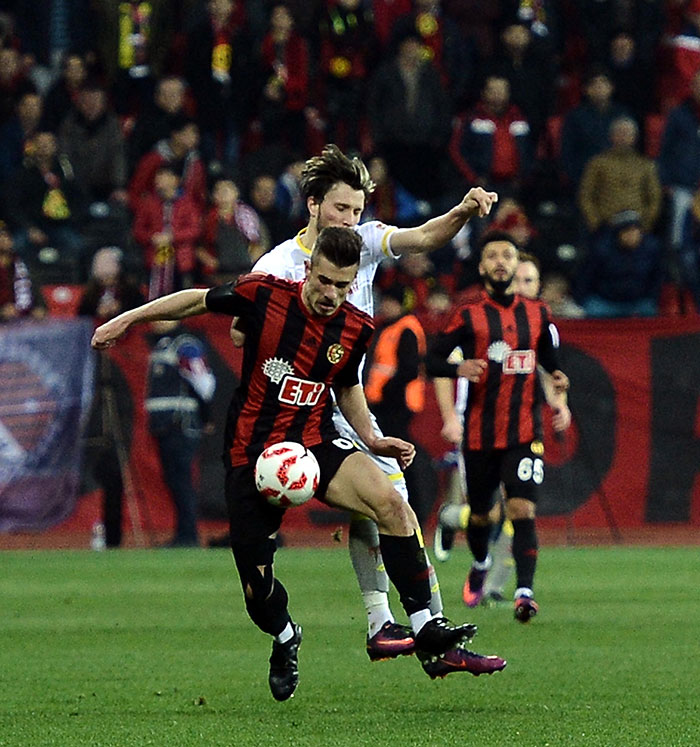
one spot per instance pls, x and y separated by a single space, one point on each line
46 384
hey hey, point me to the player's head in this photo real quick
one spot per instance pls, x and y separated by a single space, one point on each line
499 261
331 270
335 188
527 276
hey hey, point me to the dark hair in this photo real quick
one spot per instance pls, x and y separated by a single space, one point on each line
332 166
490 236
341 246
527 257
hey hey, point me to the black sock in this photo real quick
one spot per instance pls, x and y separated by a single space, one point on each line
524 551
406 566
478 540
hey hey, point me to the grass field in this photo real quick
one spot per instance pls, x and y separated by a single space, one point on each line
153 647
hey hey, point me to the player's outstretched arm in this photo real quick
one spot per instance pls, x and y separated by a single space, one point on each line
452 428
438 231
171 307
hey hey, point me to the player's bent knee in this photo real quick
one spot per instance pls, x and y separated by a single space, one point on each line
254 564
394 515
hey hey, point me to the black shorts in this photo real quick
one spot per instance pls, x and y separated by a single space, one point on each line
251 517
520 469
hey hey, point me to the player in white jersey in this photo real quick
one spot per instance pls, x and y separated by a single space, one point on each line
336 188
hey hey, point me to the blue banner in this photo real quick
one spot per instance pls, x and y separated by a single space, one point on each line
46 384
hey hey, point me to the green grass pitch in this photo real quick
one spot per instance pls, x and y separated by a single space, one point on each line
154 648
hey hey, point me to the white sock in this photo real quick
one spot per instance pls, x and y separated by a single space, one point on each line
378 612
286 635
483 565
523 591
419 619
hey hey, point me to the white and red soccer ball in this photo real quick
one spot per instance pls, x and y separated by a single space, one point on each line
287 474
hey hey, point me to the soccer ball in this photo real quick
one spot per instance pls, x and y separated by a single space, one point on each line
287 474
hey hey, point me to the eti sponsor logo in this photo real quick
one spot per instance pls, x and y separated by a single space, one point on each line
512 361
293 390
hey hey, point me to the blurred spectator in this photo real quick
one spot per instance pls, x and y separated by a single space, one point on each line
689 252
452 53
680 57
632 76
531 70
283 81
679 161
107 293
63 94
14 81
492 144
275 227
510 216
134 40
478 21
385 13
17 133
19 298
218 69
167 226
437 311
289 197
347 55
409 116
543 18
556 293
620 178
586 127
415 274
154 123
622 273
92 139
390 202
179 152
44 203
231 237
50 30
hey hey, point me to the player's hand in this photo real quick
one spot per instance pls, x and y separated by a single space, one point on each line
478 202
561 419
560 381
472 369
108 333
452 431
237 336
388 446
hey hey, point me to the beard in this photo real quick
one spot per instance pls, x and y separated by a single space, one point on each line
500 286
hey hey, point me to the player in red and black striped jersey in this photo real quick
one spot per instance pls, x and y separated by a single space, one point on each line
301 340
503 337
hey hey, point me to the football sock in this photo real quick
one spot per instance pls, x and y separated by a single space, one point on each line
406 565
419 619
286 635
524 551
378 612
478 540
502 554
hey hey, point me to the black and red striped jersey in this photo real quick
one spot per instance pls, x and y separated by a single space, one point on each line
503 408
291 359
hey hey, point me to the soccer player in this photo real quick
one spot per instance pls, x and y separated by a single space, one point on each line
503 337
336 189
302 340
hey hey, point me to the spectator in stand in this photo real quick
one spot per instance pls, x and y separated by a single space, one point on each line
543 18
679 164
18 132
622 273
275 227
409 115
179 152
218 69
680 58
385 14
620 178
108 292
528 64
556 293
510 216
167 226
63 94
155 122
415 274
492 145
231 238
390 202
18 296
586 127
289 197
631 75
689 254
14 81
283 81
348 52
45 204
437 312
91 138
452 53
134 40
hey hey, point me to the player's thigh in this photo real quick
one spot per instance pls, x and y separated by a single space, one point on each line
483 476
522 473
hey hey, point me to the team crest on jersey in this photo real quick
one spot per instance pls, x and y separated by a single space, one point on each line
276 369
335 353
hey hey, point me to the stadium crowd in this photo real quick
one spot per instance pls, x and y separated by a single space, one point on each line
176 131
